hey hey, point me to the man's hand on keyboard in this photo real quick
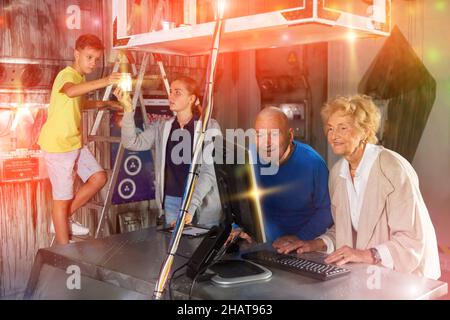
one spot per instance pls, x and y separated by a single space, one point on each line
288 244
284 241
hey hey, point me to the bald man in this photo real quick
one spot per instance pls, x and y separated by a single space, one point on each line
297 203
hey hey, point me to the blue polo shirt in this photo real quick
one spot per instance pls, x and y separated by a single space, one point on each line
299 203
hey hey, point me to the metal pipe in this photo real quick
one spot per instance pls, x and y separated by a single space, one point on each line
193 170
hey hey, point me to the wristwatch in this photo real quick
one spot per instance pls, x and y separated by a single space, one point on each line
375 255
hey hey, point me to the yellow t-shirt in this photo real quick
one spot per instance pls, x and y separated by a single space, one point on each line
62 130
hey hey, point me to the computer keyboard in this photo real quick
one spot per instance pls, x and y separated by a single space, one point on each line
308 268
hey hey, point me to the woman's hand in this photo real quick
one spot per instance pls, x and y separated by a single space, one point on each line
187 220
346 254
114 105
124 98
288 244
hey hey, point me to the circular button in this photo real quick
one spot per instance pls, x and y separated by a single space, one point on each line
132 165
127 188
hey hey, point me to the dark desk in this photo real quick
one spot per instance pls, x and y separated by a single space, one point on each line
126 266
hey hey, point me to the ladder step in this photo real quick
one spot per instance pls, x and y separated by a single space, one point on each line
82 238
104 138
90 110
94 205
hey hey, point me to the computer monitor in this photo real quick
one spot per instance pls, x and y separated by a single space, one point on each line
236 180
234 169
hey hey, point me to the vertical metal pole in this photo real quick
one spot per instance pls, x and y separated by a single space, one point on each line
193 170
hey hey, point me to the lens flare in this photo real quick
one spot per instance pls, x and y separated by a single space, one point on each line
440 5
125 82
351 36
22 113
433 55
221 4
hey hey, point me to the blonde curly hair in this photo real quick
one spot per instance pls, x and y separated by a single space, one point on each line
361 108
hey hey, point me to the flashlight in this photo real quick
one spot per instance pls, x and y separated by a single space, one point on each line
125 82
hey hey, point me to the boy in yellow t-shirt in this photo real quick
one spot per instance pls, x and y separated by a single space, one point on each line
61 137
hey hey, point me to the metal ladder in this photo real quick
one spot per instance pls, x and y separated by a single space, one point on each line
93 137
122 58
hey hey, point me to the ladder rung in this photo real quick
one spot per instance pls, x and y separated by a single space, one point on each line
82 238
104 139
104 109
94 205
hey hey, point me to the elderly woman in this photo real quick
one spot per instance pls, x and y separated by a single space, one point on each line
378 210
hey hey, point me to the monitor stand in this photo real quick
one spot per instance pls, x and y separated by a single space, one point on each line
230 272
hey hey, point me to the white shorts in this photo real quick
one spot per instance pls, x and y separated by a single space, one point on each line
61 168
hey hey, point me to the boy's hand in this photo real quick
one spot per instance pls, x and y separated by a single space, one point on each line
124 99
114 78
